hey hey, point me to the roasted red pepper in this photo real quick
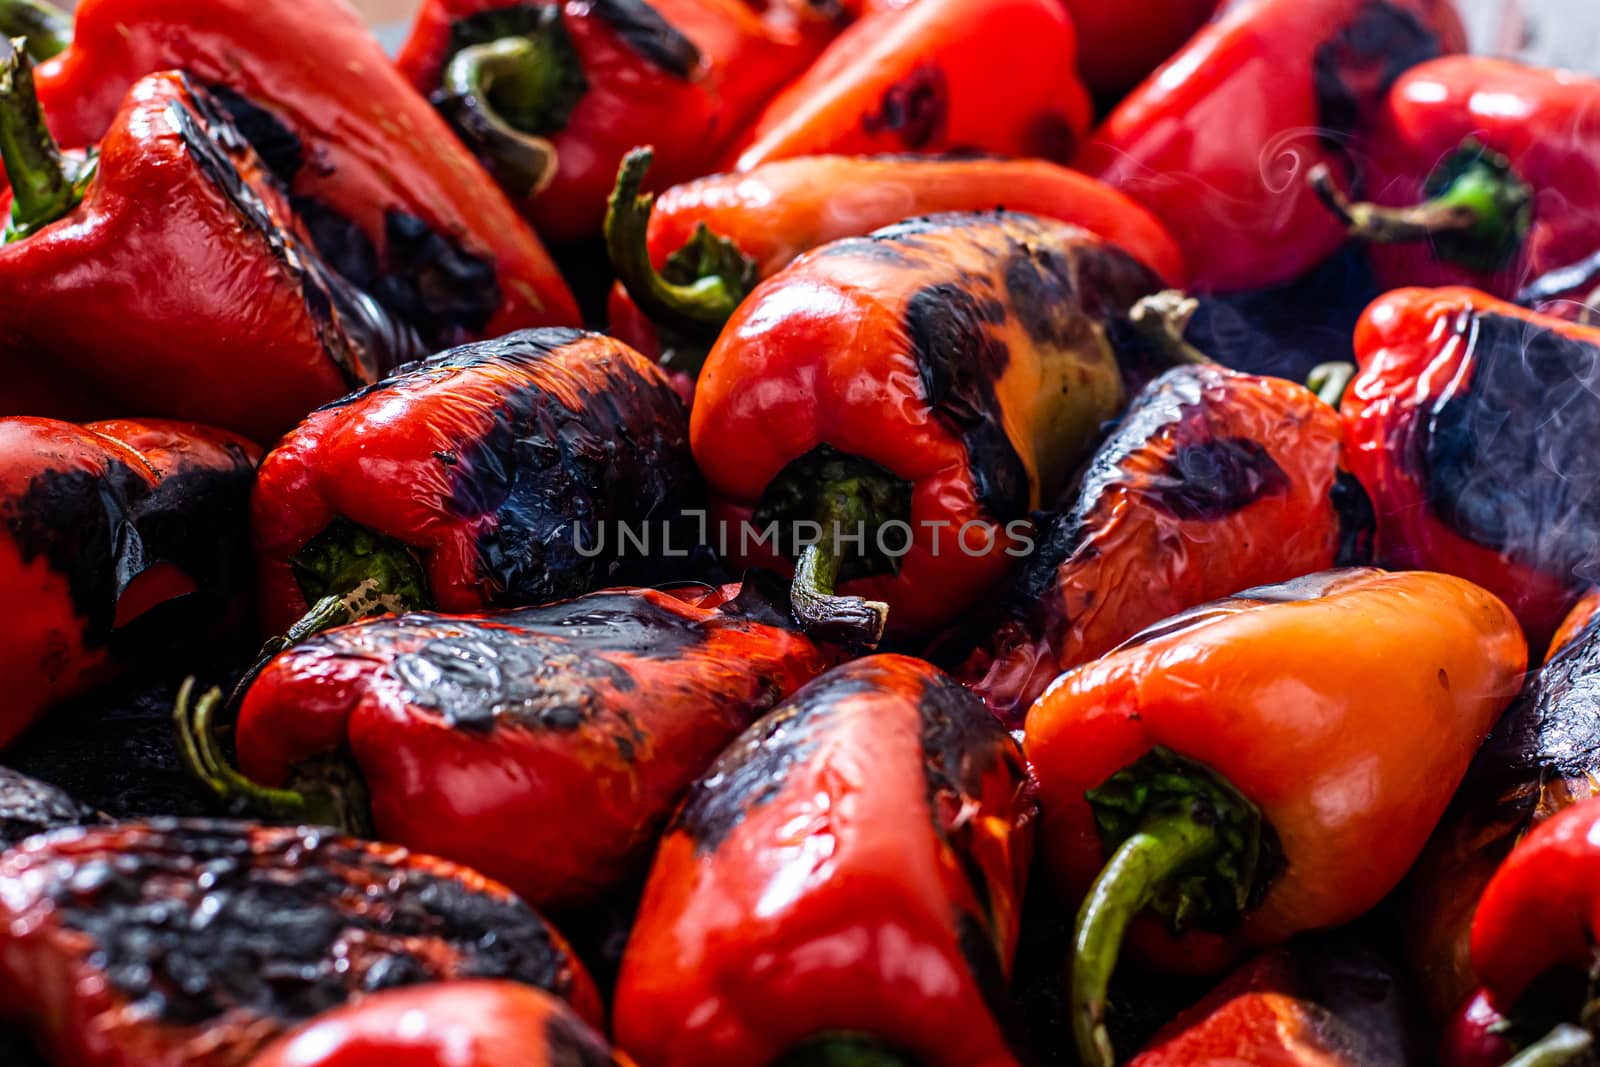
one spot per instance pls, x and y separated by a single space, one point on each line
545 747
101 526
1471 427
1219 141
393 201
1231 761
489 475
29 806
195 944
923 389
1214 482
451 1024
171 275
857 857
934 76
1483 174
552 96
1119 44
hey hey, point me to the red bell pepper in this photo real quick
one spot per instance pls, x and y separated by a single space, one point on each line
1218 142
551 96
1470 426
921 390
545 747
843 886
1120 44
393 201
1230 764
935 76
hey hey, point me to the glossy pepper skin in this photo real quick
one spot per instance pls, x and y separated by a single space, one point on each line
947 371
491 475
462 1024
1120 44
187 253
29 806
196 943
1214 482
1232 803
601 78
114 537
935 76
545 746
1465 427
1542 757
858 857
1218 142
395 203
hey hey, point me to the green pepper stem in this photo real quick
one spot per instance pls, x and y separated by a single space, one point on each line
1330 380
1161 319
48 29
1566 1044
845 1050
1139 869
495 95
842 507
349 573
44 186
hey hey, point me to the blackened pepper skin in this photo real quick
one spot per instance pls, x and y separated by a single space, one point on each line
29 806
194 944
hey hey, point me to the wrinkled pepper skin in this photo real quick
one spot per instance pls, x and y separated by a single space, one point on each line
464 1024
967 356
545 746
101 527
683 75
196 943
1214 482
1120 44
1345 706
936 76
395 203
1217 142
29 806
502 466
858 857
187 253
1470 426
1542 757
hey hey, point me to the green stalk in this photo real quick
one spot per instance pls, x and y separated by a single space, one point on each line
47 28
1330 380
844 509
1566 1044
45 186
495 94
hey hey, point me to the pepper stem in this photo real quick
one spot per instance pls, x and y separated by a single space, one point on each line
1566 1044
1330 380
349 573
719 275
44 185
1477 213
845 1050
499 96
48 29
1161 319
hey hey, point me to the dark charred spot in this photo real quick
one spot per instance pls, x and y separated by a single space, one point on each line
1051 136
1354 69
569 1043
279 147
29 806
643 29
1216 477
913 109
983 961
434 283
1040 290
344 246
1358 523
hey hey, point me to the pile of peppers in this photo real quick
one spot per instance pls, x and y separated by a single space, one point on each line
796 533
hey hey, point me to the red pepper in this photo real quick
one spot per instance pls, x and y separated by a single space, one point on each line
1231 762
196 943
180 251
496 474
1218 142
451 1024
393 201
101 526
843 885
545 747
1483 174
1214 482
551 97
923 389
1470 426
994 76
1120 44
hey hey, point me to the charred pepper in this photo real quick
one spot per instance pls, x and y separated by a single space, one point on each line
1175 780
29 806
858 857
545 746
196 943
1219 141
922 390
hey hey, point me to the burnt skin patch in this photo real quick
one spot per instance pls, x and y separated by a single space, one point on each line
1217 477
913 110
433 283
1040 290
1353 70
279 147
29 806
1358 523
643 29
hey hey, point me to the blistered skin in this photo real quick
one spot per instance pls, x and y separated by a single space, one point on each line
195 944
99 525
1217 143
405 210
544 746
451 1024
29 806
1346 706
1214 482
1470 425
505 465
857 857
965 354
684 76
187 256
